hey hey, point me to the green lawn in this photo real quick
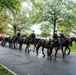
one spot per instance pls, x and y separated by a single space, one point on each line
73 48
4 71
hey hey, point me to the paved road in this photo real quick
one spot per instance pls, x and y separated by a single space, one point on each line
23 63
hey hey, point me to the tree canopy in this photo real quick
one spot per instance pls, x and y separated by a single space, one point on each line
6 7
50 14
10 4
59 13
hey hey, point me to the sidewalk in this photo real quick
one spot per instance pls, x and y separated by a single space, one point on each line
29 64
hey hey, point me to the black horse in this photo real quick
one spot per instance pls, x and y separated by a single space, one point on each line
44 43
67 46
4 41
14 41
64 45
28 42
56 44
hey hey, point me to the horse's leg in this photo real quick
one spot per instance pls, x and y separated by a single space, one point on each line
63 52
26 48
37 48
14 45
9 44
49 52
37 52
20 46
34 47
43 51
69 50
56 50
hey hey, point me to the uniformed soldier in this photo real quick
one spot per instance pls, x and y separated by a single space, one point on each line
55 36
33 37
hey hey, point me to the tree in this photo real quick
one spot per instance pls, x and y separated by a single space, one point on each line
10 4
5 6
19 19
45 30
56 12
3 21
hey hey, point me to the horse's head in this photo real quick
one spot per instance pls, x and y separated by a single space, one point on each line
67 42
73 39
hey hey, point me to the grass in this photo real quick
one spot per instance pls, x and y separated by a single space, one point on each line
4 71
73 48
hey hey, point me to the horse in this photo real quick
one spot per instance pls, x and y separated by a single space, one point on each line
44 43
28 42
15 40
70 41
65 44
4 41
57 44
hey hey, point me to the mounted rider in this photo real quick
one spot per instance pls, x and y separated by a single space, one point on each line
62 36
18 34
33 37
55 36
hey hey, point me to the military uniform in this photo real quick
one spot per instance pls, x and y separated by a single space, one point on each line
33 37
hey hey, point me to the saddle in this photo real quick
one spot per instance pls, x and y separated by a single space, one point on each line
45 42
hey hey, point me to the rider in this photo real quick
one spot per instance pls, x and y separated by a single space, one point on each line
62 37
18 34
33 37
55 36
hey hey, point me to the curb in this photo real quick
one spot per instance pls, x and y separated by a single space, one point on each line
8 69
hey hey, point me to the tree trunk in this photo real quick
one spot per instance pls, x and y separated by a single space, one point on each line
54 26
54 16
14 30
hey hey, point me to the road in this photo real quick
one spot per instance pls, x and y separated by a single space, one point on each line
29 64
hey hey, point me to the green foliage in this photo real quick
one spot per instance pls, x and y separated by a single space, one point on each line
45 30
5 7
73 48
59 13
19 20
3 21
4 71
10 4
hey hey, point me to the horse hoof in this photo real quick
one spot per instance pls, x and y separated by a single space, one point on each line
28 51
36 54
65 53
33 50
68 53
43 56
50 58
63 56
